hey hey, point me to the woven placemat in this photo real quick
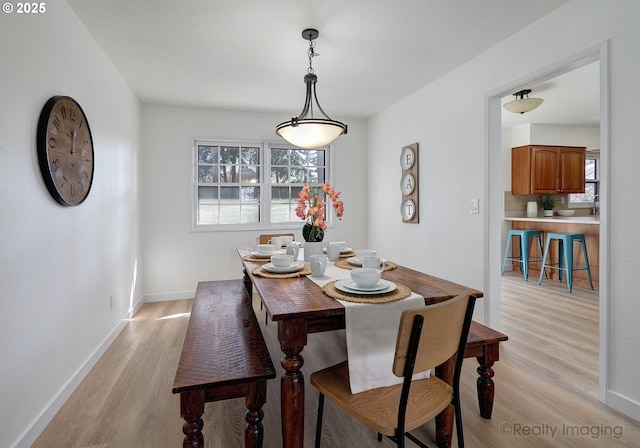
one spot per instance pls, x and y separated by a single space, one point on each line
254 258
344 264
306 270
401 292
347 254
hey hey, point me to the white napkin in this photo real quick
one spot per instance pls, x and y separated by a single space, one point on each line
371 331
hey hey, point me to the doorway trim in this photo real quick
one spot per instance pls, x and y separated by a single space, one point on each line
494 219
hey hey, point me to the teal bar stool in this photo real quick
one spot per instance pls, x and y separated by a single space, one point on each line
565 256
525 243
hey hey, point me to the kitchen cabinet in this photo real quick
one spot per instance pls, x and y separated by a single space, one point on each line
542 169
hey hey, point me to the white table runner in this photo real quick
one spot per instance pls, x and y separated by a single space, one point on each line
371 331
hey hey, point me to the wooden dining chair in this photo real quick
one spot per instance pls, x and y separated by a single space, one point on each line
427 337
264 239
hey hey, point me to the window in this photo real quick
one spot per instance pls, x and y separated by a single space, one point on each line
252 186
592 183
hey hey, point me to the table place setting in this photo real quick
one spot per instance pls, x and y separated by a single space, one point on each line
282 265
373 307
365 258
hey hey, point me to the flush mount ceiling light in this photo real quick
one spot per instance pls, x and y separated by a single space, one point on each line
521 104
312 128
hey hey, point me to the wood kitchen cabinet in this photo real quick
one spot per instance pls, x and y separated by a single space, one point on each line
541 169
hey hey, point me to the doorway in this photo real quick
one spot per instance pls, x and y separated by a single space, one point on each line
494 221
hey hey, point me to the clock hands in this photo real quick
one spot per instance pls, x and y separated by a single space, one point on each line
73 145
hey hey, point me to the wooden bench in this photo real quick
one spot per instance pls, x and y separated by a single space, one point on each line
483 343
224 356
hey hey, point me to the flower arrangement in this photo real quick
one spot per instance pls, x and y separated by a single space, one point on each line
312 207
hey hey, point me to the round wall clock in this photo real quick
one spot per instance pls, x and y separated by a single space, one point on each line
65 150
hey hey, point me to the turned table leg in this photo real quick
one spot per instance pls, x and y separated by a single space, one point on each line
192 408
486 388
293 337
255 399
444 420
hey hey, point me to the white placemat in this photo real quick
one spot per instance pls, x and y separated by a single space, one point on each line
371 331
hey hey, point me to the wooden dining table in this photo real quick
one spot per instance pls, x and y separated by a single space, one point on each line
299 307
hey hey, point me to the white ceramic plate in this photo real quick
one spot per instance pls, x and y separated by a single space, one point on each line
350 284
358 262
257 254
341 286
283 270
342 251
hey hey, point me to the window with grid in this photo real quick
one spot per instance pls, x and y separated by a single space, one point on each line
249 185
592 183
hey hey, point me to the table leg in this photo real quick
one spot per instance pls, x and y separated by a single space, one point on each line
486 388
247 283
255 399
191 409
444 420
292 335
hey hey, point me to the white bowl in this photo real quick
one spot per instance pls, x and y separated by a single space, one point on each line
282 261
365 277
266 249
563 212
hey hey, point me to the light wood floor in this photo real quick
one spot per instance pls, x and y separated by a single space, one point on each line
546 385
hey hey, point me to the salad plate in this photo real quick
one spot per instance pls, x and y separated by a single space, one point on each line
296 266
388 286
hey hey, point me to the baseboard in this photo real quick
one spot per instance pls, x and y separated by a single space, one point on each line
623 405
169 296
33 431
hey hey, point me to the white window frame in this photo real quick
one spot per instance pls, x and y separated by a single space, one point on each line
582 205
264 184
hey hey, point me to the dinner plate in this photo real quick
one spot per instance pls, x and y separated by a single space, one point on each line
283 270
350 284
342 251
257 254
340 285
358 262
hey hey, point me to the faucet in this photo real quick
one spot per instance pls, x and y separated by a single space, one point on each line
595 210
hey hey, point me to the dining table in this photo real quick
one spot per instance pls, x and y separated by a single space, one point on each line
299 307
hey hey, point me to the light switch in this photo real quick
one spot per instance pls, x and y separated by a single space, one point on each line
474 206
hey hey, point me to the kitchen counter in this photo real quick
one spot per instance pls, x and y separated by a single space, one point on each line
522 216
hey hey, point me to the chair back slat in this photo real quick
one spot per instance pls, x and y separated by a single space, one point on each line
441 321
264 239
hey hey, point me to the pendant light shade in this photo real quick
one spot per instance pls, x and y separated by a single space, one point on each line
312 128
521 104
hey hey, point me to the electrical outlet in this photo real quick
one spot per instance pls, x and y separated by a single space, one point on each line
475 208
562 199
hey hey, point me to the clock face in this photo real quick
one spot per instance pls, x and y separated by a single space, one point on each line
407 158
407 184
407 209
65 150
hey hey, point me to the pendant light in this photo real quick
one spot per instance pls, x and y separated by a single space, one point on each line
521 104
312 128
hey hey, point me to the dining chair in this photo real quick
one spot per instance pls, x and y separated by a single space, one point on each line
264 239
427 337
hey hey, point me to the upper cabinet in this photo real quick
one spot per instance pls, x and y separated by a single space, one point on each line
541 169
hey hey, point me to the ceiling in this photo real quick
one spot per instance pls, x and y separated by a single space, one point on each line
250 55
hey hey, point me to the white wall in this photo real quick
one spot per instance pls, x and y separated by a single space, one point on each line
175 258
447 118
59 265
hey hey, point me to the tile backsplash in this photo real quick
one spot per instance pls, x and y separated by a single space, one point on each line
515 203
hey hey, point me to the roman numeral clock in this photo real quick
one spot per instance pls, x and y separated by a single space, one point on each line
65 150
409 184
